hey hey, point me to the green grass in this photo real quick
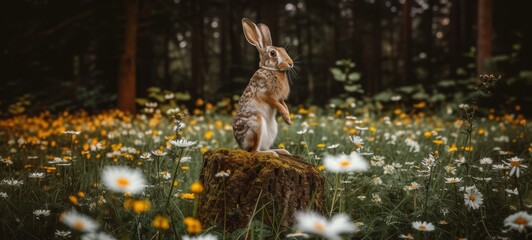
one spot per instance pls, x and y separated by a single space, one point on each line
381 211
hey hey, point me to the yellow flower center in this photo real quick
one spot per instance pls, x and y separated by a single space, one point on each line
472 198
79 225
422 227
345 163
515 163
319 227
520 221
122 182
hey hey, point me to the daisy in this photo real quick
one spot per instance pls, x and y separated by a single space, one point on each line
12 182
345 163
423 226
515 191
3 195
38 175
182 143
453 180
159 153
312 222
377 160
297 234
413 186
97 236
473 198
358 141
486 161
79 222
518 221
62 234
72 132
41 212
201 237
146 156
123 179
333 146
223 174
407 236
515 164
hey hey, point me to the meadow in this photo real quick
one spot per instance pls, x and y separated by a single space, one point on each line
451 173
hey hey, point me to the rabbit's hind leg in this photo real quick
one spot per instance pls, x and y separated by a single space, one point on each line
256 136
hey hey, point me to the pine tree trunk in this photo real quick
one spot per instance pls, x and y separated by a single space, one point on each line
270 188
127 78
484 33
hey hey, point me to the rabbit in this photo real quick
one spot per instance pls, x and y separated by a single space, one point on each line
254 124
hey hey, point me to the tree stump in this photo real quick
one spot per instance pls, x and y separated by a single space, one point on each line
260 185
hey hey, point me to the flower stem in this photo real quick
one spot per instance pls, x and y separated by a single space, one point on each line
174 176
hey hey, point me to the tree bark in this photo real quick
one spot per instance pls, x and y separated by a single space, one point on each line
484 25
407 41
127 78
258 185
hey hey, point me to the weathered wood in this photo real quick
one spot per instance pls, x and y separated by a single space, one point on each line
273 188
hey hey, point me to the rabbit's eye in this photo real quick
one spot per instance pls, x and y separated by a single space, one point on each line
272 53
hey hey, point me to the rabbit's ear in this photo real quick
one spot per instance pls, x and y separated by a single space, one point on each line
252 33
266 36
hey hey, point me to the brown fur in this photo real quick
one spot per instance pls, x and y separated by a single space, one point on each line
254 125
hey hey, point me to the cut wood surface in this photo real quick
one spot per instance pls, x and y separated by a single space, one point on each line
271 188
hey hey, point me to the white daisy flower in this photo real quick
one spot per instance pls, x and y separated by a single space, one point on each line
453 180
486 161
37 175
182 143
201 237
376 180
297 234
223 174
97 236
123 179
518 221
333 146
62 234
423 226
3 195
41 212
473 198
388 169
514 192
312 222
413 186
377 160
79 222
146 156
407 236
72 132
159 153
358 141
515 164
345 163
13 182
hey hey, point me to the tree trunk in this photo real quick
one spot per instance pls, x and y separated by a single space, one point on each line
407 41
283 185
484 26
127 78
199 68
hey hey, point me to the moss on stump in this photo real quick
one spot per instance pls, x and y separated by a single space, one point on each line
277 186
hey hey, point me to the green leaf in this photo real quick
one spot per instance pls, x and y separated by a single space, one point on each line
420 96
338 75
141 101
446 83
154 89
182 96
383 96
352 88
354 76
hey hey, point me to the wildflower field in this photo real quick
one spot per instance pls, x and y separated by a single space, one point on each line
409 172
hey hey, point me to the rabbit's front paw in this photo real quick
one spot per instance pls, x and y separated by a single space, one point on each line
287 120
